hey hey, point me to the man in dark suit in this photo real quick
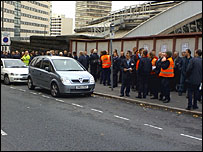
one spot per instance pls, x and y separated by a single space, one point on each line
83 60
194 79
144 69
87 58
127 67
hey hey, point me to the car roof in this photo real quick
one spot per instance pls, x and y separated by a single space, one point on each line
54 57
9 59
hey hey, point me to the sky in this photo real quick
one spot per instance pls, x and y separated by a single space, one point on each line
68 7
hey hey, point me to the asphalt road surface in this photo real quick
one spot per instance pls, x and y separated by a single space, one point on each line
35 121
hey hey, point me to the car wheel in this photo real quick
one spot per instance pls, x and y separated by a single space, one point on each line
30 84
6 80
54 90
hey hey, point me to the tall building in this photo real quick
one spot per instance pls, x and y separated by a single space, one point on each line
89 10
60 25
23 19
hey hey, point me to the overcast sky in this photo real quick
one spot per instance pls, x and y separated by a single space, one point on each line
68 7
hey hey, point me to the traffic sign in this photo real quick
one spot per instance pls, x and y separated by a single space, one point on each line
5 38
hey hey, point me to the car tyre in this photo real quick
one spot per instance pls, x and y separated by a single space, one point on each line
30 84
54 90
6 80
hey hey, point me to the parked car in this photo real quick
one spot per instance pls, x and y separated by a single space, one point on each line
60 75
13 70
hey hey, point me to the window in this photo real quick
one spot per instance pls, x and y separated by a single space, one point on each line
38 63
47 63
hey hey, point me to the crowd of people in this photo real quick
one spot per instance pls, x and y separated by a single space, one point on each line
138 70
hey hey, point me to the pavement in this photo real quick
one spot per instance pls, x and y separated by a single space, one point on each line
177 103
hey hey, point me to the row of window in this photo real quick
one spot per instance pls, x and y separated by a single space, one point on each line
34 9
39 4
24 31
27 7
25 23
24 14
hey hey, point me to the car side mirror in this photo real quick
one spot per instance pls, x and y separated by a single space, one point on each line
47 69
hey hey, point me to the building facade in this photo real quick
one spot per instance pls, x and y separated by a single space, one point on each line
60 25
89 10
23 19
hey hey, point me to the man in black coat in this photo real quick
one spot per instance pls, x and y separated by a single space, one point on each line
185 62
194 79
94 63
127 66
177 70
83 60
122 57
116 69
144 69
87 58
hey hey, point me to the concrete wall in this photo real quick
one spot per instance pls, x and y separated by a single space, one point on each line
200 44
162 44
190 42
146 44
90 46
129 45
102 46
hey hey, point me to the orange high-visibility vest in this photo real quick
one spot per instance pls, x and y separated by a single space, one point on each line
106 61
153 64
169 72
137 64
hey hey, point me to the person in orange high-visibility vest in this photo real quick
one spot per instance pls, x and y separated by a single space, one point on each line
106 65
166 74
153 80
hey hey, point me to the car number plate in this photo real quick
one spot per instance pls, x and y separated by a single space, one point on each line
81 87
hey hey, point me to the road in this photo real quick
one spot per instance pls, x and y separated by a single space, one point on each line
34 120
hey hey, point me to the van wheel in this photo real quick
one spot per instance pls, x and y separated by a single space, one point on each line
6 80
30 84
54 90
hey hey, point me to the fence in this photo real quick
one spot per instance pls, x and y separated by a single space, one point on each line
172 42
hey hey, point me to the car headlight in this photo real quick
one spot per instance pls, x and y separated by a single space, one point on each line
92 80
65 81
13 74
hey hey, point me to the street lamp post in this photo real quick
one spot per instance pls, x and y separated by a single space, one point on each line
111 52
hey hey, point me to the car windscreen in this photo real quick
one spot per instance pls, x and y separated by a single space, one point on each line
14 64
67 65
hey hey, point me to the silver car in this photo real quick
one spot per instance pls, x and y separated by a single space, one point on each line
61 75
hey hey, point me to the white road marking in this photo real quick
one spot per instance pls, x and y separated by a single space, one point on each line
190 136
59 100
77 105
22 90
121 117
33 92
153 126
97 110
3 133
12 88
45 96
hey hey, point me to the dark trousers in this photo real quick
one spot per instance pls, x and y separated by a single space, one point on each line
125 84
106 76
101 76
165 87
154 85
120 76
115 78
133 79
93 71
143 85
193 89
